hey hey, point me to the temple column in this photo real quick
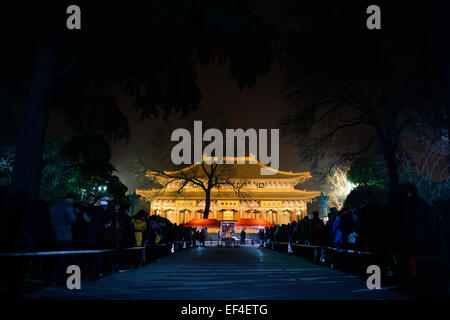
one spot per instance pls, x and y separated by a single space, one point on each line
241 215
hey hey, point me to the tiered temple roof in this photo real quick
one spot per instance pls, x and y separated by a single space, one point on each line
278 186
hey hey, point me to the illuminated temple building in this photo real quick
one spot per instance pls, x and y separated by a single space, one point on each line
273 198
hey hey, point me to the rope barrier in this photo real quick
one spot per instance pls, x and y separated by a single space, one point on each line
304 245
71 252
333 249
369 253
359 252
184 243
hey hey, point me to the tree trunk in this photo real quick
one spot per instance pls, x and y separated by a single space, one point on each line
448 123
445 49
447 102
30 141
207 203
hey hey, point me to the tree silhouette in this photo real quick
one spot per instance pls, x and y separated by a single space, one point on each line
358 87
149 48
62 174
207 175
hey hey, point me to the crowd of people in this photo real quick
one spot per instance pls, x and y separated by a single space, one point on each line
305 231
405 224
95 224
407 231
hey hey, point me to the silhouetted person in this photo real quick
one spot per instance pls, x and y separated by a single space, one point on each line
243 234
329 226
93 231
45 240
140 226
426 274
317 230
62 219
127 235
202 237
261 236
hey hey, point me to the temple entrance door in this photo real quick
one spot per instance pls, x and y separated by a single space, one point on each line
228 215
285 217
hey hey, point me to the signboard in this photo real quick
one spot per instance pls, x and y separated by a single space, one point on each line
186 203
271 204
228 203
228 227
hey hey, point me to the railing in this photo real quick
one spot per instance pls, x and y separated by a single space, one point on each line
277 245
354 262
16 264
233 241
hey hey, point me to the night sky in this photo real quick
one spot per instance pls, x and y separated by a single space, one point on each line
260 107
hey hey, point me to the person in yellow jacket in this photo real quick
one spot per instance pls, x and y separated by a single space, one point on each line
140 226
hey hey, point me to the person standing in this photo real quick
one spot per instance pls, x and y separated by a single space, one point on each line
202 237
127 232
317 235
243 234
317 230
427 276
94 215
140 226
261 237
111 237
62 218
329 230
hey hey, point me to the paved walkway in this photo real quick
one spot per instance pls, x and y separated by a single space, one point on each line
224 273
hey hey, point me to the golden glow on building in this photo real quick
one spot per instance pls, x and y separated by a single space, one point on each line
270 197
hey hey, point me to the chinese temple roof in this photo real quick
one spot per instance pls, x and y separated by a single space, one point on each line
250 168
198 194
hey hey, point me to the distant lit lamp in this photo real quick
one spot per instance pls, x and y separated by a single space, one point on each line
323 204
299 214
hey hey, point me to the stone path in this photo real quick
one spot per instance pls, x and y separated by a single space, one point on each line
225 273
